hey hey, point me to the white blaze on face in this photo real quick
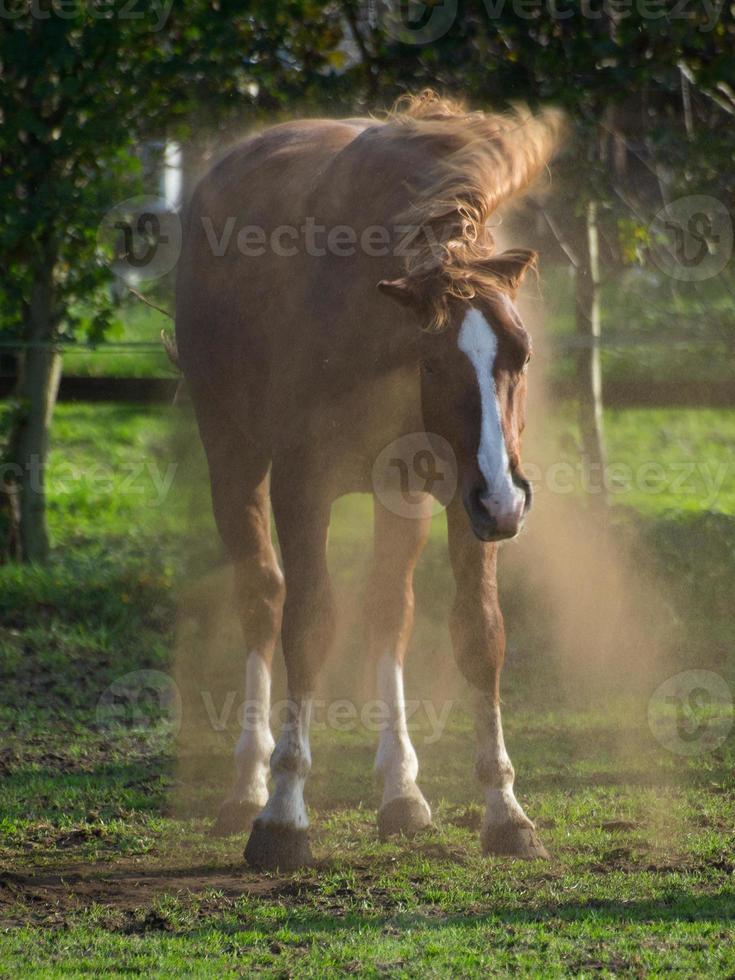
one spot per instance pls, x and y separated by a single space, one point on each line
478 341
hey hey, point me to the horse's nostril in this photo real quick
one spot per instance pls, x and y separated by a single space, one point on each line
522 483
480 508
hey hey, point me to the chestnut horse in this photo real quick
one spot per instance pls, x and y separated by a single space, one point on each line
338 289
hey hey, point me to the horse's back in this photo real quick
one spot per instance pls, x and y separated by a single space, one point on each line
237 275
295 149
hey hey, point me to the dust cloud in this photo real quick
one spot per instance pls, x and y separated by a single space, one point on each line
608 621
586 621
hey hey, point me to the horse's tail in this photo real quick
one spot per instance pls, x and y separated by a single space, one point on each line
172 352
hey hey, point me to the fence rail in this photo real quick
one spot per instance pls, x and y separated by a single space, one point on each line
559 344
616 394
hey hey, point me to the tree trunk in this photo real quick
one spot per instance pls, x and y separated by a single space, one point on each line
589 368
37 387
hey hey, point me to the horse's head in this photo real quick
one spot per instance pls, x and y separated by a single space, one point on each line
473 388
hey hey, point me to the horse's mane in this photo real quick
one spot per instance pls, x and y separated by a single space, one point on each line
479 161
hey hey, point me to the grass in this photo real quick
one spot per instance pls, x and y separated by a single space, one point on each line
660 460
658 329
137 324
640 882
639 310
106 864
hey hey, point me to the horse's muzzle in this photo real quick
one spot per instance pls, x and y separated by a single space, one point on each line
490 522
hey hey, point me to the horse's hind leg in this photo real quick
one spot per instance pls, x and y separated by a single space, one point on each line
239 481
279 838
398 544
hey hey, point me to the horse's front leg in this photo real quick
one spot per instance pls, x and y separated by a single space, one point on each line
279 838
398 544
478 638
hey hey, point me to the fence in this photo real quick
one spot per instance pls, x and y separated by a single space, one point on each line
617 393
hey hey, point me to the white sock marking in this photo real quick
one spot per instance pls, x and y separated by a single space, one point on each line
290 765
494 766
255 745
396 759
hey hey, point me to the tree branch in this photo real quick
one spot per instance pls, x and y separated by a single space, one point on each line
556 231
368 60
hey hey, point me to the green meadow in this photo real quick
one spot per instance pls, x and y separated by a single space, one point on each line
107 865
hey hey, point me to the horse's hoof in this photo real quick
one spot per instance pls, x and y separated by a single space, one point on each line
406 815
276 847
513 840
235 818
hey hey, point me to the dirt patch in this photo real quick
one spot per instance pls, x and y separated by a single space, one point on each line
612 826
121 889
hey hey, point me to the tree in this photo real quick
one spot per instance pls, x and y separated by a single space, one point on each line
60 159
626 74
79 88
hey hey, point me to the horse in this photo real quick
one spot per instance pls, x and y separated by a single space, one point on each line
339 289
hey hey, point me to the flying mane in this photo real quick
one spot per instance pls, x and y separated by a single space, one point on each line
481 160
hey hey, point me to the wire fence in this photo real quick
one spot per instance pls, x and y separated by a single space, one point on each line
113 382
81 347
564 343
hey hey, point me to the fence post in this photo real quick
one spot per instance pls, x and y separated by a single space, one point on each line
589 367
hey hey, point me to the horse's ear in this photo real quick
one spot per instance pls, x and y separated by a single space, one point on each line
422 294
512 266
402 290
